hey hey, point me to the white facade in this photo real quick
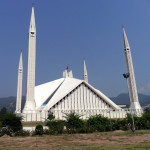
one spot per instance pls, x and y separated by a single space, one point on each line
67 95
30 103
134 102
19 86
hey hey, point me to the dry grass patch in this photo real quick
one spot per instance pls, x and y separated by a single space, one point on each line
95 141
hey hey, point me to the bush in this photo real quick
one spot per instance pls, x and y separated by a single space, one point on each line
39 130
22 133
143 121
51 116
122 124
3 111
46 131
73 123
12 121
6 131
98 123
0 125
56 126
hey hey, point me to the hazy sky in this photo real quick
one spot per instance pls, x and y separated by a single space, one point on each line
69 31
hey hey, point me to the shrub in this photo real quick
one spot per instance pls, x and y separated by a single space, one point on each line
56 126
115 124
6 131
3 111
73 123
146 116
0 125
123 124
12 121
39 130
51 116
144 121
22 133
46 131
98 123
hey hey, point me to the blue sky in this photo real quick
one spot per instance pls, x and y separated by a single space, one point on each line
69 31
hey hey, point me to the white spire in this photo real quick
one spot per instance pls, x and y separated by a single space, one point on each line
32 27
19 86
20 62
85 75
134 102
125 40
30 102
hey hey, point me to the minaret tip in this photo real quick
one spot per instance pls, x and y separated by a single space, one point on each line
85 75
32 28
20 61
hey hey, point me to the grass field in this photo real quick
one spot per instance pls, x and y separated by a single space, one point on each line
118 140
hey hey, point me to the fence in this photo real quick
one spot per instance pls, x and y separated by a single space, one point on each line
85 114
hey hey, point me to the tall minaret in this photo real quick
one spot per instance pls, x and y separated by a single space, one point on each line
85 75
30 102
19 86
134 102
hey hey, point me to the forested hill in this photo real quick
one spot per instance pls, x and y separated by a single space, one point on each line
10 103
124 99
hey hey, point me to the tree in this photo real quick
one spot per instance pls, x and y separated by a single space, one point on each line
51 116
12 121
3 111
98 123
73 123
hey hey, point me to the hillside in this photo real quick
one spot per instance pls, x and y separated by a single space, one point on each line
10 103
124 99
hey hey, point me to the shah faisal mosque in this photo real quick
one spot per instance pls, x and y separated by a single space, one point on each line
68 94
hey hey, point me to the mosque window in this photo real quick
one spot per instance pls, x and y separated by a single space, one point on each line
32 32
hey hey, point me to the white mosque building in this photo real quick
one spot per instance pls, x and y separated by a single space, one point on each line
68 94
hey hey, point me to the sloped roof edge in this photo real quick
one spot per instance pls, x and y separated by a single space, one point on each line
104 97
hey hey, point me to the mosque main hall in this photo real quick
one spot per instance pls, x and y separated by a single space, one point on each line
68 94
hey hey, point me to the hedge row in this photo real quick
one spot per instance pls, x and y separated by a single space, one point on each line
97 123
11 124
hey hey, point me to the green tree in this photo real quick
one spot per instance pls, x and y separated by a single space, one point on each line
98 123
56 126
3 111
12 121
73 123
51 116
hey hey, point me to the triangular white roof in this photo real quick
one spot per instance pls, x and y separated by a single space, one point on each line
68 85
43 91
53 92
